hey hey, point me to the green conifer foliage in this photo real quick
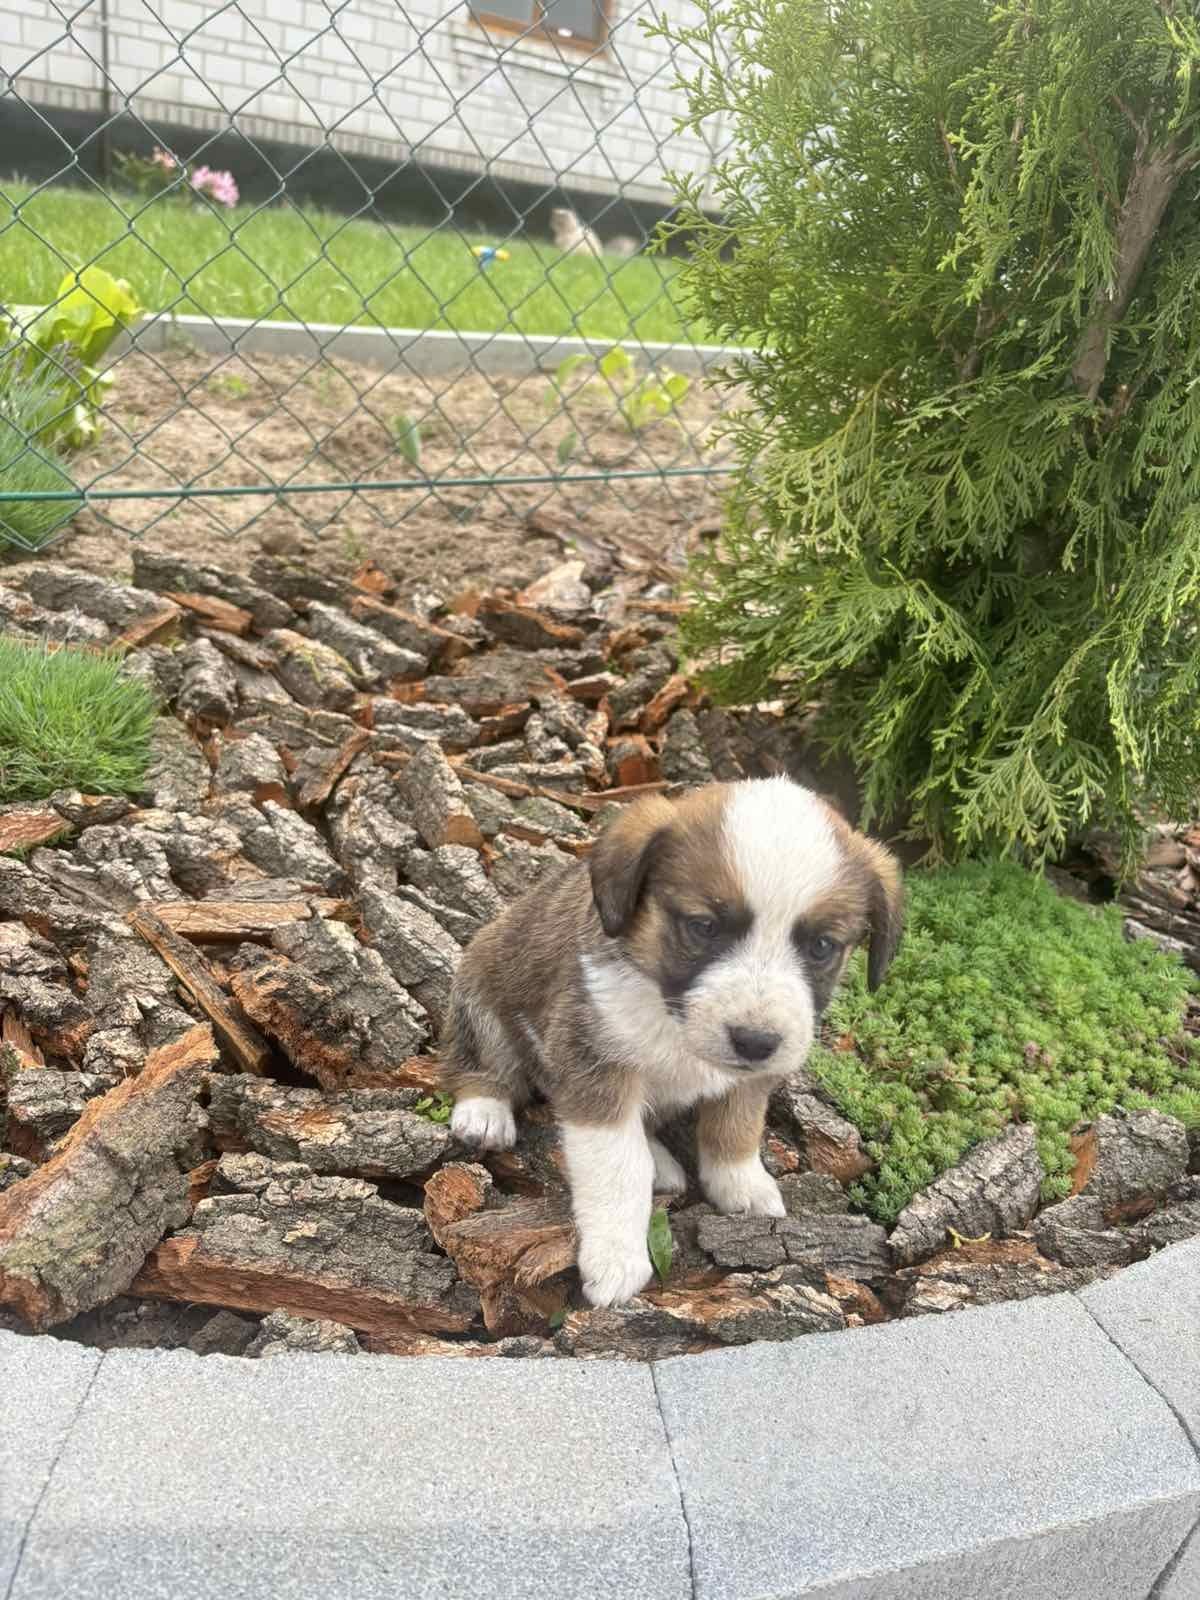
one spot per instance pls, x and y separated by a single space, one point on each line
965 239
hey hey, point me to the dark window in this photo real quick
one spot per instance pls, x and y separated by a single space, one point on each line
578 21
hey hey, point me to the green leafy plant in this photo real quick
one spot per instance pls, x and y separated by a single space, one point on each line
964 242
640 401
65 342
407 433
150 175
435 1107
69 719
29 464
230 385
1007 1002
660 1243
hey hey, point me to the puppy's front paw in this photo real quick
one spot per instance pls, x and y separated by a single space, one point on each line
486 1123
613 1273
743 1188
669 1176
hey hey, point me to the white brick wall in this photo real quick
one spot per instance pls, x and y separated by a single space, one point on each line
446 88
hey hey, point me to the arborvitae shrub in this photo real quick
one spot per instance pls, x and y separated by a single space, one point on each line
965 239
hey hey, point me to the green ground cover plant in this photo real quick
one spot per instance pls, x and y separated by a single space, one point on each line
69 720
311 266
29 463
966 239
1007 1002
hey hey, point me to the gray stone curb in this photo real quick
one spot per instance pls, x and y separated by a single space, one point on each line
1037 1451
424 352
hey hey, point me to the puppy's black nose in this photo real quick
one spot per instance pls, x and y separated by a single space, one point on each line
754 1044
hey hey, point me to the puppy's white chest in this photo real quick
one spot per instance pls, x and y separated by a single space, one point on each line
637 1026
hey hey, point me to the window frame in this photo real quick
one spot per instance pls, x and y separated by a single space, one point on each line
535 30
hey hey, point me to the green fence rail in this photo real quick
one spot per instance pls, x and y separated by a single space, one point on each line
202 201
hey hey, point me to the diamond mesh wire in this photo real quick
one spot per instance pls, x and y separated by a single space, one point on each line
383 320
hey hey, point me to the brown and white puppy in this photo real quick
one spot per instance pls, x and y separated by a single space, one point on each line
687 964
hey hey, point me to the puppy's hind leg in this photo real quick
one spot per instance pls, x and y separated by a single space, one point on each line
485 1075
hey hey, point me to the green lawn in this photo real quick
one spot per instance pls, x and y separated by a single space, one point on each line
315 266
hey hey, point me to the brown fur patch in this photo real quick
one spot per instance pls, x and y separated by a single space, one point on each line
730 1129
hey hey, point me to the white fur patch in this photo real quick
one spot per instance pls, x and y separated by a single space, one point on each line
484 1122
636 1026
611 1172
741 1188
669 1176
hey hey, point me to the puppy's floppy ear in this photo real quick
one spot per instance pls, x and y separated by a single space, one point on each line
621 858
886 910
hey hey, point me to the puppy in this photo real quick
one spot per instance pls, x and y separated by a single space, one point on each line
687 963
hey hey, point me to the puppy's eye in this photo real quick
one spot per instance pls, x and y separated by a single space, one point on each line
823 948
701 928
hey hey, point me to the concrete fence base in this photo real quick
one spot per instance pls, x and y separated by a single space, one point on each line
1040 1451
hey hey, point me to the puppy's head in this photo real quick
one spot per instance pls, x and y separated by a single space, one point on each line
743 903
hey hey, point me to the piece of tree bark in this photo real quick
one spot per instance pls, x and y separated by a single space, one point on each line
402 628
371 656
372 1133
525 626
281 1334
44 1104
827 1141
436 800
416 949
75 1233
16 1035
453 874
1074 1233
280 842
219 921
455 1191
243 1041
314 1247
216 613
155 569
667 1322
632 760
158 625
178 777
420 724
1127 1159
321 782
332 1004
986 1274
311 672
26 826
677 692
509 1253
993 1190
35 983
61 588
847 1246
251 765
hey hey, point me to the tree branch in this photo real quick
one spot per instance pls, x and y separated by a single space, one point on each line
1152 182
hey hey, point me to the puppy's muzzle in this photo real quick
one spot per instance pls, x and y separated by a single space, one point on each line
753 1046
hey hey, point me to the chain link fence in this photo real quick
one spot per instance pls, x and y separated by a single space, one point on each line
322 272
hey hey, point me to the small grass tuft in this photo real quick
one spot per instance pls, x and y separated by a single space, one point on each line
1007 1003
69 720
28 464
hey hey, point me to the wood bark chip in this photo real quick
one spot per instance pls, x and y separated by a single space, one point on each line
676 693
524 625
26 827
416 949
35 983
373 1133
455 1191
437 802
311 672
847 1246
239 1036
1126 1160
317 789
509 1254
318 1247
829 1143
44 1104
155 569
219 921
985 1274
216 613
402 628
15 1034
251 765
75 1233
993 1190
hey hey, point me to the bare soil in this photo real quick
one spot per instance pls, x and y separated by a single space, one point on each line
185 418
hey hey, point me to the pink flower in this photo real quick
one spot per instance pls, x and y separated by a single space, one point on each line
164 159
216 186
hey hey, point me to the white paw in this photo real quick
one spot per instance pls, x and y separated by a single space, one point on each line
742 1188
486 1123
613 1274
669 1176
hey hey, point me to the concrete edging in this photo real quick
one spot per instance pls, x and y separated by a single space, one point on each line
423 352
1033 1451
